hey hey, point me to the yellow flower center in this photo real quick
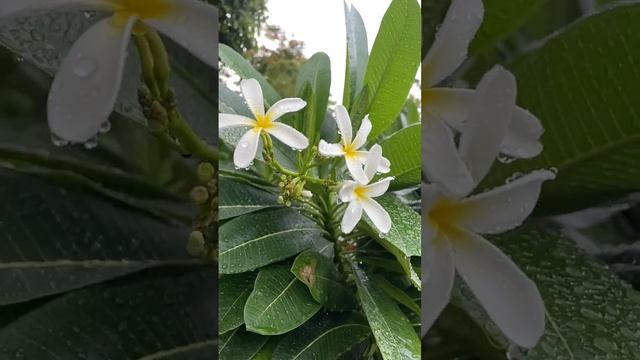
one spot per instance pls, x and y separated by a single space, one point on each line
143 9
263 123
349 151
360 192
443 212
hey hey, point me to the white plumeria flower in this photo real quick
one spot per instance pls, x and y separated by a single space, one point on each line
450 239
350 147
449 108
360 194
247 147
86 86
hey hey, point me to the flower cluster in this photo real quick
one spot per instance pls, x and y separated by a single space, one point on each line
362 165
488 123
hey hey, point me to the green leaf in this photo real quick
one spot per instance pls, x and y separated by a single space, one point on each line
403 149
266 353
404 238
394 61
258 239
240 344
323 279
501 19
324 337
279 302
590 312
54 239
357 54
239 198
413 114
233 294
393 332
244 69
589 112
397 294
157 314
316 73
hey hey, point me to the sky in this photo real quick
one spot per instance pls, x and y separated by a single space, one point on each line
321 25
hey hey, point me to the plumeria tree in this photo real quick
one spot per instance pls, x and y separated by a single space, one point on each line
499 279
319 209
102 253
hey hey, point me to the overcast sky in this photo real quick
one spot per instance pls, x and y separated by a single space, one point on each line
321 25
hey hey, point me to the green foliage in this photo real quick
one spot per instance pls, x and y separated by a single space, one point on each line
240 21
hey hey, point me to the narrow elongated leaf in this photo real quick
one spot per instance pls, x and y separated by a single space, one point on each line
326 284
394 61
233 294
403 151
244 69
239 198
590 312
279 302
397 294
54 239
393 332
324 337
315 73
151 315
240 344
258 239
590 116
357 54
403 240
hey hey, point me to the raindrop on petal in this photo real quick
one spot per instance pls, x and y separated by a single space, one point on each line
58 141
85 66
91 143
105 127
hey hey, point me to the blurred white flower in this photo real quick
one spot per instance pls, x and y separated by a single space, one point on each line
360 194
86 86
448 109
350 147
450 239
247 147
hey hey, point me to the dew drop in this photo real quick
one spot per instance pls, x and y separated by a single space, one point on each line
105 127
85 66
506 159
58 141
244 144
91 143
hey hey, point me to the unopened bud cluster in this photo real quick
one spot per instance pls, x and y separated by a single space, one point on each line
204 238
156 109
292 189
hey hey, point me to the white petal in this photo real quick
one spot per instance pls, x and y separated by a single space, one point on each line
371 164
246 149
233 120
86 85
378 215
363 133
253 96
488 121
289 136
330 150
285 106
452 40
453 105
378 188
344 124
346 192
442 163
355 169
437 279
504 207
385 165
351 217
14 7
193 25
510 298
523 136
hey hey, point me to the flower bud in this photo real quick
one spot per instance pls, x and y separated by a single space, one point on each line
159 114
199 195
196 244
306 194
206 172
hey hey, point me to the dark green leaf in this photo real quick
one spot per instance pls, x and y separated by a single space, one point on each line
397 294
239 198
54 239
394 61
393 332
316 73
240 344
258 239
403 151
357 54
323 279
233 294
279 302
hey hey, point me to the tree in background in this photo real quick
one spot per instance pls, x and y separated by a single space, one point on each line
240 22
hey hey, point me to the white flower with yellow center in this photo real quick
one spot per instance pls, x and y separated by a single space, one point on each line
247 147
360 194
351 148
86 86
451 241
448 109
